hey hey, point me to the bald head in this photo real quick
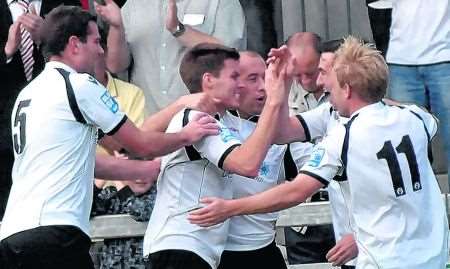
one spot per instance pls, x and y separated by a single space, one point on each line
301 40
305 46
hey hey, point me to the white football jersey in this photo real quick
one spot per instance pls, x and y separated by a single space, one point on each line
251 232
187 175
382 152
316 122
54 132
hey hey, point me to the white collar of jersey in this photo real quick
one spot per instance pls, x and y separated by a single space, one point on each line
373 106
56 64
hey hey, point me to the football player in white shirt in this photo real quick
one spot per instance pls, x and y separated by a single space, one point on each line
206 167
54 129
250 241
381 158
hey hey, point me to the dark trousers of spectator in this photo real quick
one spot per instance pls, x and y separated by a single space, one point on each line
267 257
380 22
47 247
176 259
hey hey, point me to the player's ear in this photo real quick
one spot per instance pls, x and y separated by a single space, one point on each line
73 44
348 91
208 81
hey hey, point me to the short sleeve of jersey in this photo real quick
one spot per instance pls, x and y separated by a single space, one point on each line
216 148
300 153
430 122
96 105
315 121
325 160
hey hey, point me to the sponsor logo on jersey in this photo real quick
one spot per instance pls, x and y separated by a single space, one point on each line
316 157
110 102
264 170
226 135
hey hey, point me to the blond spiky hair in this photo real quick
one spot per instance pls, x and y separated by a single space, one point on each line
363 68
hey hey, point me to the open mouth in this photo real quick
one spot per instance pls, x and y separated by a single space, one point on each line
261 99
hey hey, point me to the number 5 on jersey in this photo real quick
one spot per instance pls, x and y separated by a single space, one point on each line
20 121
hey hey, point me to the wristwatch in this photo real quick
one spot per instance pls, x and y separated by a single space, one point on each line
179 30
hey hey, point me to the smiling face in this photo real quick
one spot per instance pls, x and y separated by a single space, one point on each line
339 95
252 93
325 66
90 52
224 89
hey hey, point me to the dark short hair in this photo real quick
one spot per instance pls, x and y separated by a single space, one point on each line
204 58
62 23
331 45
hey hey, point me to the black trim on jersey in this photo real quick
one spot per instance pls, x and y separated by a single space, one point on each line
225 154
430 148
290 168
100 134
344 152
317 177
191 152
305 128
234 113
71 96
253 119
121 122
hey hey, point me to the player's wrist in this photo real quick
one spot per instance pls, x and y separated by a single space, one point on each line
185 138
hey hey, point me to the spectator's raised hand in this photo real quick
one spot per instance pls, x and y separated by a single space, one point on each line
344 251
201 125
14 39
32 22
109 12
214 212
172 16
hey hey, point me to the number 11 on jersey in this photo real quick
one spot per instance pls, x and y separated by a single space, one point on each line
388 153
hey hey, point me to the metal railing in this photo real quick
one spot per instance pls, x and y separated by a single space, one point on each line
123 226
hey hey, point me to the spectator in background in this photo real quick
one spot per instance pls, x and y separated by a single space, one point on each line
307 244
17 47
305 93
150 37
380 12
419 58
133 197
